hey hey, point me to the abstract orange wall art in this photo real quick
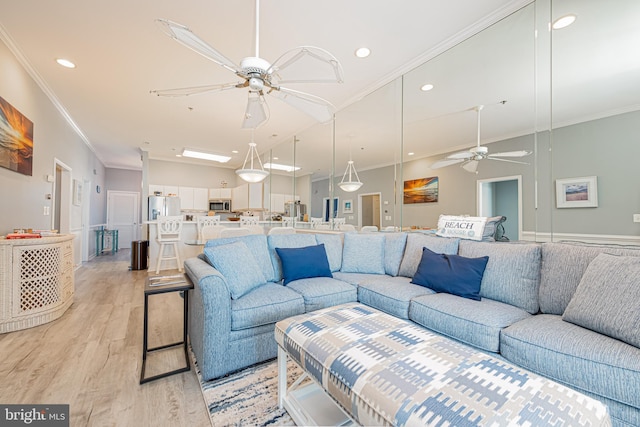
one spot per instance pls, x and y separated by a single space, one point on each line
16 140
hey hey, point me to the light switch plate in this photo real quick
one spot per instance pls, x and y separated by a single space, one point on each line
636 217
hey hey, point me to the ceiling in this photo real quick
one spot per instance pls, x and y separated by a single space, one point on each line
121 54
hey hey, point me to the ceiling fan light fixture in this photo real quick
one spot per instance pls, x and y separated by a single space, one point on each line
350 185
252 174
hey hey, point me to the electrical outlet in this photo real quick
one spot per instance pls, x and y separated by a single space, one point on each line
45 211
636 217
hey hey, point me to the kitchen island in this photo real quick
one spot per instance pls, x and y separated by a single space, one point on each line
36 280
188 238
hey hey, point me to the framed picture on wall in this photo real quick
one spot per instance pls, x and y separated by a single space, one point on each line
423 190
16 140
347 206
577 192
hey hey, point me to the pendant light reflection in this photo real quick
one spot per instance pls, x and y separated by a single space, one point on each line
350 185
252 174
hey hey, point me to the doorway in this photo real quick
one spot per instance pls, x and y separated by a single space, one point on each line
123 215
502 196
370 209
327 212
61 198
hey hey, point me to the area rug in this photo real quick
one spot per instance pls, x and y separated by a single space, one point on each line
248 397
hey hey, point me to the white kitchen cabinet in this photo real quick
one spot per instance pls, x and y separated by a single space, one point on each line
240 198
247 197
153 189
186 198
219 193
194 198
256 200
200 199
171 190
277 203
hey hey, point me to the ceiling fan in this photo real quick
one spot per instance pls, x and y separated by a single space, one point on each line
262 77
472 157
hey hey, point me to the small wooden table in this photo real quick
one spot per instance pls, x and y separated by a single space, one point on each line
162 285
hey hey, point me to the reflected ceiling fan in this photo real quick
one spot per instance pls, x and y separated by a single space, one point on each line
262 77
472 157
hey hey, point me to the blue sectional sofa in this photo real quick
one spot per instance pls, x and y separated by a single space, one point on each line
570 312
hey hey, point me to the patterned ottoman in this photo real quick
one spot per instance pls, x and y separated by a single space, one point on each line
382 370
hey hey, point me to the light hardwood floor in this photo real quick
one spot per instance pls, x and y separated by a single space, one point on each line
90 358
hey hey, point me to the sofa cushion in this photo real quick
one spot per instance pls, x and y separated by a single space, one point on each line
363 253
570 354
390 294
333 246
357 279
477 323
394 244
257 244
413 250
297 240
512 275
303 263
608 298
265 305
452 274
563 265
238 266
322 292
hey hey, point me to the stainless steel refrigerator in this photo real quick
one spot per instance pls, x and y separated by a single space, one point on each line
163 205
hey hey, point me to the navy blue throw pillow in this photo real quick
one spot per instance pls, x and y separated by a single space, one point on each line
303 263
452 274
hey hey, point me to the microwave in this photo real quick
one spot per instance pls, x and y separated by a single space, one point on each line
220 205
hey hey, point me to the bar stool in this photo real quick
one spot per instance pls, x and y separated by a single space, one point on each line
169 231
206 221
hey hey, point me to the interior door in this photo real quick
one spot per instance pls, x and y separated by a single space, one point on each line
123 215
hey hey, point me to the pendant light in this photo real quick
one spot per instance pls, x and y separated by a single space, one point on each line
252 174
350 185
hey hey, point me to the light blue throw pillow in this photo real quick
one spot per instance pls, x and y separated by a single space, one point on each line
363 253
238 266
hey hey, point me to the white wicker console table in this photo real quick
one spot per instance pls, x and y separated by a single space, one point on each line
36 281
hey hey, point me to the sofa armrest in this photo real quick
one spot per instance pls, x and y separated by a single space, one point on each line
209 315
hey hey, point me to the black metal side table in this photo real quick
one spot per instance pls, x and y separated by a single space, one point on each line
162 285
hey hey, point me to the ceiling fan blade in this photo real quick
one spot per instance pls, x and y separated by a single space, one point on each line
445 162
490 157
520 153
471 166
196 90
257 111
312 105
461 155
185 36
307 64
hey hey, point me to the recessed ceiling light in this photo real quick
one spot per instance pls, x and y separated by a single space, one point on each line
235 151
563 21
205 156
427 87
276 158
281 167
411 154
65 63
363 52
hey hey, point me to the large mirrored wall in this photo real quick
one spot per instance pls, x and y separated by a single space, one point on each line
568 98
